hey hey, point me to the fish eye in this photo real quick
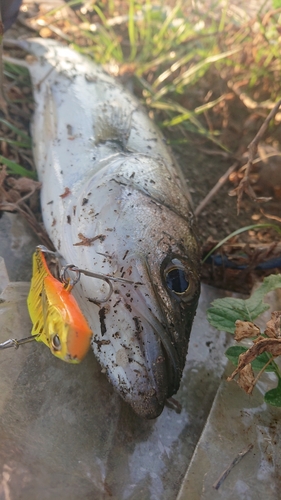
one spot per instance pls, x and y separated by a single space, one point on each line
177 281
56 342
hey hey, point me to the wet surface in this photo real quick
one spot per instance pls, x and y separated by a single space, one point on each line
237 421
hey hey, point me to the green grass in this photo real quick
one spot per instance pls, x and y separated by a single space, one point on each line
13 130
176 49
240 231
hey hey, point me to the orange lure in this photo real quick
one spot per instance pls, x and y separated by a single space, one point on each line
56 317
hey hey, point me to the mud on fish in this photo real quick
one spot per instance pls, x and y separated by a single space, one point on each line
115 202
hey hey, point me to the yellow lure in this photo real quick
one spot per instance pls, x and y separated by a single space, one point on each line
56 317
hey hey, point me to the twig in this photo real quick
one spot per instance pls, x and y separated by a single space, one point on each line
236 460
269 216
247 101
253 147
222 180
262 370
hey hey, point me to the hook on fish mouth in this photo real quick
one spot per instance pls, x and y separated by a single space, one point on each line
71 282
108 279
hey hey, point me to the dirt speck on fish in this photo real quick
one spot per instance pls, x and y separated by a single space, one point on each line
137 199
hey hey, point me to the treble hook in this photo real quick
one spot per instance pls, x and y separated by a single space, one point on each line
78 272
99 276
16 343
46 250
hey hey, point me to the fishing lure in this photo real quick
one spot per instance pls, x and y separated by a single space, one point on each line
56 317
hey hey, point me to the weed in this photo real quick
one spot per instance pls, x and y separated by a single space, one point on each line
236 316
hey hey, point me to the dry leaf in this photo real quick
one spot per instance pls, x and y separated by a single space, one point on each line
246 379
23 185
273 325
272 346
245 329
12 196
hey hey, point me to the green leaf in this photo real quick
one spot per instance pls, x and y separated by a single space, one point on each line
269 284
273 397
18 131
234 352
224 312
15 143
17 169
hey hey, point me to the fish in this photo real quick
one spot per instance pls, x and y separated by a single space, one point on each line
114 201
56 317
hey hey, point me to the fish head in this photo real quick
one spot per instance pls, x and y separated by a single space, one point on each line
65 331
171 294
151 321
163 307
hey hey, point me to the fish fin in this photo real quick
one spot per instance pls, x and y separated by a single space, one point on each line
113 124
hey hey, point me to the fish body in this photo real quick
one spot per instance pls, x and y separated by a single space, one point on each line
55 314
115 202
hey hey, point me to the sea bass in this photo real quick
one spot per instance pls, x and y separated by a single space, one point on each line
115 202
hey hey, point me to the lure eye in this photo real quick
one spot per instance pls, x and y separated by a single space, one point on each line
56 343
176 281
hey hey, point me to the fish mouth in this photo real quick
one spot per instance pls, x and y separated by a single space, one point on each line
147 394
160 373
163 365
141 370
146 370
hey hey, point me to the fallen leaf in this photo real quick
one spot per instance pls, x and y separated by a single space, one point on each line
12 196
273 325
23 184
246 379
245 329
272 346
